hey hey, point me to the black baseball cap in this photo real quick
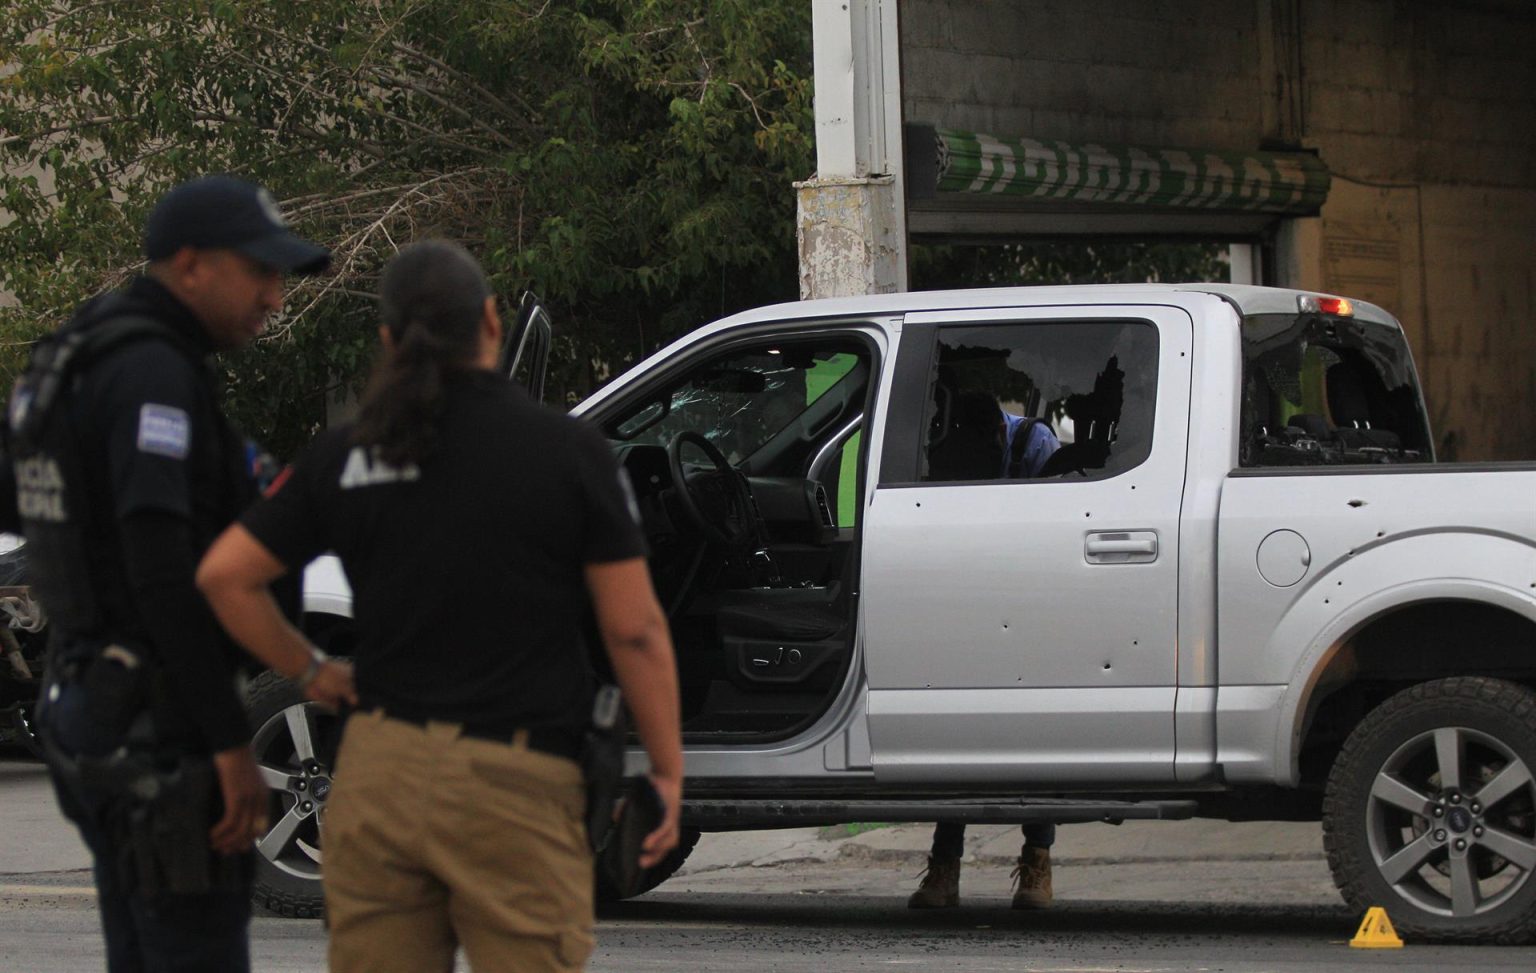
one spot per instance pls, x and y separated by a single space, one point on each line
226 213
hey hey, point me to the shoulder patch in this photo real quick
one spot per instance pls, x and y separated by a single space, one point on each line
164 430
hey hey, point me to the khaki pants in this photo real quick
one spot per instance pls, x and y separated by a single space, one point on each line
433 840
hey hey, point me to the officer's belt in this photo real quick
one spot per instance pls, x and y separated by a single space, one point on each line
557 741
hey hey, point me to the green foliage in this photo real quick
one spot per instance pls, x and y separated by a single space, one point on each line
630 160
1058 262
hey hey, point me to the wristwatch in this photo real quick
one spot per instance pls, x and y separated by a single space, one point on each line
317 659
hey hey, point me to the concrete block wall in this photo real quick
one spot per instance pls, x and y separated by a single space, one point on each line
1438 93
1387 89
1107 70
1455 265
1478 358
1424 112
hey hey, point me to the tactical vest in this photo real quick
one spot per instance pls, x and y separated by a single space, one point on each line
46 456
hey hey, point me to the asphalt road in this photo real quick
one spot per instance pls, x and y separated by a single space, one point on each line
817 933
825 926
1127 901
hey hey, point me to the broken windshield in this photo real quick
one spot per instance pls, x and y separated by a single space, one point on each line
1321 390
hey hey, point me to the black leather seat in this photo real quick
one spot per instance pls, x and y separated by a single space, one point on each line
1310 424
786 622
786 639
1351 407
970 447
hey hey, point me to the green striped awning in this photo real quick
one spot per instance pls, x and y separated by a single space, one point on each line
1289 183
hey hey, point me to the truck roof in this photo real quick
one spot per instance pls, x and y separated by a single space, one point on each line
1246 298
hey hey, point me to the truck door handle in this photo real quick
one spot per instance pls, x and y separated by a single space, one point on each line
1121 547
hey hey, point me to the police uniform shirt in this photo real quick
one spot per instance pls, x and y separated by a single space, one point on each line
467 572
167 449
156 454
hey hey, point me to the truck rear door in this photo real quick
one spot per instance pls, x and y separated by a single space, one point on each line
1021 600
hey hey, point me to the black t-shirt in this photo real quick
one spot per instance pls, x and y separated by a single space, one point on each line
467 572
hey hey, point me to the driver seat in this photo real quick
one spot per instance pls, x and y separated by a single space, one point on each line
760 619
791 639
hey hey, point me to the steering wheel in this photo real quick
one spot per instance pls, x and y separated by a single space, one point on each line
717 502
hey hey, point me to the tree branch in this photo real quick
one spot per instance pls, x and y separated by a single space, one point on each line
83 123
442 102
459 77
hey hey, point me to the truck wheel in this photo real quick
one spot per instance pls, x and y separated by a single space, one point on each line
294 744
687 838
1430 811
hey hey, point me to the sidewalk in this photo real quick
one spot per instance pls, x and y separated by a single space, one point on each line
1133 842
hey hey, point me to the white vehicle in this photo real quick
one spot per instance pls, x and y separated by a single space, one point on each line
1241 587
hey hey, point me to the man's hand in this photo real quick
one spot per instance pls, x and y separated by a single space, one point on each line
332 685
245 801
664 838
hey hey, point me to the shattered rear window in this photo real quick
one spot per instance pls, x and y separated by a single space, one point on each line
1322 391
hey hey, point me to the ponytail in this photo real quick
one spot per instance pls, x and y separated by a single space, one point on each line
431 299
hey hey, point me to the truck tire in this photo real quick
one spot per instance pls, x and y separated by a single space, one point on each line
687 838
294 744
1430 812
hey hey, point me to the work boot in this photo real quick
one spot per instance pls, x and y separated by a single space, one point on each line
940 888
1032 879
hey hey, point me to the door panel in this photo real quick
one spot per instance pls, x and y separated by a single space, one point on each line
1025 629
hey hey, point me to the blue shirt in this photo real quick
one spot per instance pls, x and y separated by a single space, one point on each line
1041 444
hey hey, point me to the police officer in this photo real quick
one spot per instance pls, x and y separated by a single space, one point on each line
478 529
125 469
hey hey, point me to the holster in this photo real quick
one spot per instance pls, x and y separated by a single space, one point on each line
602 763
157 804
167 835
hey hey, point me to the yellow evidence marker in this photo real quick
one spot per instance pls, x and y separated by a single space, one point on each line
1376 931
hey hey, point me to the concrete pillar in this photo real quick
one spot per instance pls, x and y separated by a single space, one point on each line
1243 264
849 237
852 227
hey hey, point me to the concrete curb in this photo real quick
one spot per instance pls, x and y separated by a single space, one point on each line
864 853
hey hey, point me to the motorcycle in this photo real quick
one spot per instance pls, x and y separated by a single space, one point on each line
23 640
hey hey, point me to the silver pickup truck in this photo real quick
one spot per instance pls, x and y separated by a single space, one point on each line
1072 554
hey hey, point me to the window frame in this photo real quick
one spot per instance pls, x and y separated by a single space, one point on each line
910 410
